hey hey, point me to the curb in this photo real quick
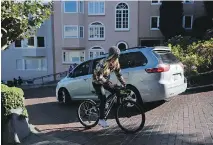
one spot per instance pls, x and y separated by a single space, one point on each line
191 88
38 86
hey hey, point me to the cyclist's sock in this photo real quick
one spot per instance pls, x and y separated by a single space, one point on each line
103 123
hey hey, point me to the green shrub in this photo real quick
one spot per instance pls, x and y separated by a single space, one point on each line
12 98
196 56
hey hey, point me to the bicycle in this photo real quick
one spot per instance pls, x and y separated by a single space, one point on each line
120 99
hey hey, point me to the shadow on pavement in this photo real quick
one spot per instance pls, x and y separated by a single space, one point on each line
114 135
39 92
198 90
55 113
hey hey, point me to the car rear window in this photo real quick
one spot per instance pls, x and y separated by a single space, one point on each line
167 57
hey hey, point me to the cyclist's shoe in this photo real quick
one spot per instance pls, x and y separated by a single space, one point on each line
103 123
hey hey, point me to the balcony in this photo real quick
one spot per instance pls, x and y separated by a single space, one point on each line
36 52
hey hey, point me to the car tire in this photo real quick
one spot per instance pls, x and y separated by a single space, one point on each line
64 96
137 94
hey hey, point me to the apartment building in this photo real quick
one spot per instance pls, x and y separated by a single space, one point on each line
86 29
31 57
149 17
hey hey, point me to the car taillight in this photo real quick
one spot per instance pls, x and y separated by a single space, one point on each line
159 69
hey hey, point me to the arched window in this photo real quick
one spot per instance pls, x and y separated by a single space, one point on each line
122 46
96 51
122 16
96 31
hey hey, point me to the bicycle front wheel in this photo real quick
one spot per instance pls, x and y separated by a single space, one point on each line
130 117
88 114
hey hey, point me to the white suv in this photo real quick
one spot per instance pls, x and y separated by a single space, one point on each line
152 73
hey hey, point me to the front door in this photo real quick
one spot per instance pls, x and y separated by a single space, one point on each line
79 86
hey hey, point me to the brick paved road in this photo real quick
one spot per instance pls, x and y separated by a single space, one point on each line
186 119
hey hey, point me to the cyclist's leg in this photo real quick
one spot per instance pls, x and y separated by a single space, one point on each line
101 95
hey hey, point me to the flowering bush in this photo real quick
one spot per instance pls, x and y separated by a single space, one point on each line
197 56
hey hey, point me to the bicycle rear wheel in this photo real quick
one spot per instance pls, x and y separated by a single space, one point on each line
88 113
130 117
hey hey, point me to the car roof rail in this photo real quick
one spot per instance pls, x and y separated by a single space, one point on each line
161 48
136 47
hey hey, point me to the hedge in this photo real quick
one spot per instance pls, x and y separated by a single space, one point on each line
12 98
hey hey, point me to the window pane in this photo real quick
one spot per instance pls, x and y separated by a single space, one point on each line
43 64
70 6
154 1
18 43
75 59
133 59
71 32
40 42
96 7
188 22
81 6
31 42
101 7
82 69
81 35
32 64
19 64
91 54
154 22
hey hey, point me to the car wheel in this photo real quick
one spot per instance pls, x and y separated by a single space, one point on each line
134 95
64 96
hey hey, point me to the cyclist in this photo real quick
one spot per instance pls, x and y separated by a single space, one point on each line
101 76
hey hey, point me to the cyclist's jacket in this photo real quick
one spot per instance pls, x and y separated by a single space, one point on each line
103 69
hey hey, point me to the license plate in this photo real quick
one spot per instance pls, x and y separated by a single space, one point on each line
176 76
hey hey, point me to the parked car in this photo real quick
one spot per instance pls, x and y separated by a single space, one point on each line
152 73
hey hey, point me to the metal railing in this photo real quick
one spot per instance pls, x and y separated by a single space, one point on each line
51 78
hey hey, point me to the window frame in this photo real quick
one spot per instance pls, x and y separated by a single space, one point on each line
77 7
39 62
122 29
158 22
95 26
70 62
96 50
37 42
71 37
123 43
95 14
21 44
158 3
184 22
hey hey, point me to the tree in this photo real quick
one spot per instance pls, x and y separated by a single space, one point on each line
200 26
209 8
204 23
20 19
171 15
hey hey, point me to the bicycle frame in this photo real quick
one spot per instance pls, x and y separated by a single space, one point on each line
111 102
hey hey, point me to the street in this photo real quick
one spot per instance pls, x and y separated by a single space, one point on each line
185 119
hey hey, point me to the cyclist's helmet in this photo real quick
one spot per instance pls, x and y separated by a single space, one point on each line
114 52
